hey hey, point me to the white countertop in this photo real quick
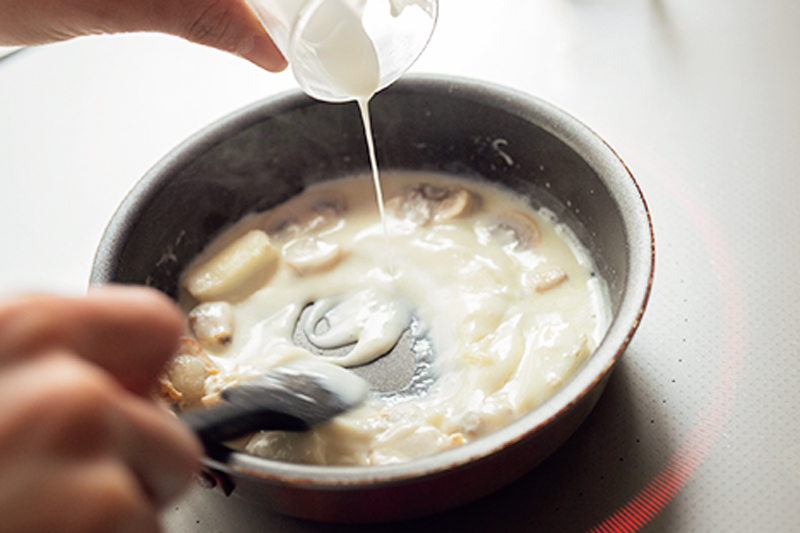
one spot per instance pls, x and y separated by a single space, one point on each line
698 429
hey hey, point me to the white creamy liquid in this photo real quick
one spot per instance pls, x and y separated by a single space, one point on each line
345 52
363 105
504 333
348 57
511 312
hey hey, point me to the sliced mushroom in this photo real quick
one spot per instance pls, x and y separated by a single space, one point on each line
213 323
516 228
185 378
305 214
426 203
411 206
545 280
310 255
460 202
236 271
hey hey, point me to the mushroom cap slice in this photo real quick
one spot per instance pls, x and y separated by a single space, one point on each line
426 203
310 255
517 228
305 214
459 202
411 206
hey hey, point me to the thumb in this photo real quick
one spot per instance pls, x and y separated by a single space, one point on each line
228 25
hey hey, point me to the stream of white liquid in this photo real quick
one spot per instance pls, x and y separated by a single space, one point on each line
348 56
363 105
504 340
503 343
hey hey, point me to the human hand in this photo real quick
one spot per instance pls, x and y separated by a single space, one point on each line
229 25
83 447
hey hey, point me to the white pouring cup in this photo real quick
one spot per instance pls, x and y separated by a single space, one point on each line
343 50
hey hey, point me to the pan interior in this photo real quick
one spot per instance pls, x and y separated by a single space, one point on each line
268 153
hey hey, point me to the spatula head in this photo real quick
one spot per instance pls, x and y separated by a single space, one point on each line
295 396
308 389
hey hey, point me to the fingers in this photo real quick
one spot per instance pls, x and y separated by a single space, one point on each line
79 453
229 25
36 506
159 449
130 332
103 496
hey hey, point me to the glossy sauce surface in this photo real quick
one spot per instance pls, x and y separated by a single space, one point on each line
509 309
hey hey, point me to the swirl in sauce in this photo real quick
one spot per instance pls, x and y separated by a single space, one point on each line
505 296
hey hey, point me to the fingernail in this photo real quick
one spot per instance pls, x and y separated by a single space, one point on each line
264 53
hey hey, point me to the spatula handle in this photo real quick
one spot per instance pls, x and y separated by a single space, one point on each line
226 421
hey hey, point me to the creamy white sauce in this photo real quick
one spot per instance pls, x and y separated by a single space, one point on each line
372 319
348 387
346 54
502 344
350 62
